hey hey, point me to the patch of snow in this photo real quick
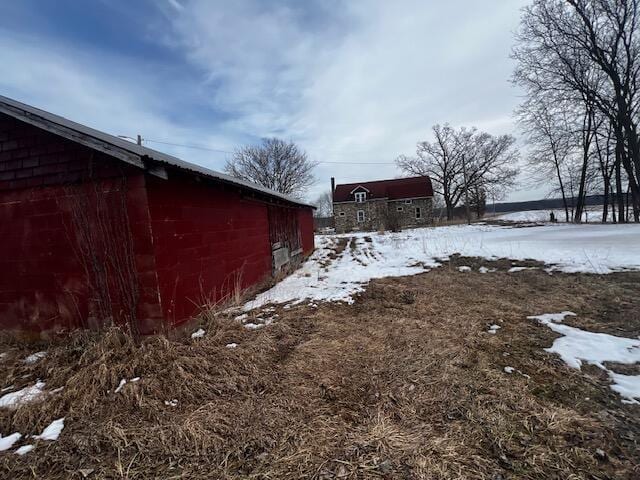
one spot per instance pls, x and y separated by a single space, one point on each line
241 318
171 403
577 346
464 268
520 269
52 431
198 333
26 395
483 270
23 450
511 370
588 248
34 357
591 214
120 385
10 387
494 328
231 345
628 386
7 442
253 326
123 382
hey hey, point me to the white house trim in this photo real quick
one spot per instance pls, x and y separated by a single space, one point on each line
359 186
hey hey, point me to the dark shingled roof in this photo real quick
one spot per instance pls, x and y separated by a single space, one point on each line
396 189
138 155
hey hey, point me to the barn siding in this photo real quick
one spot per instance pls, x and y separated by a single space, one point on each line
43 285
305 220
192 241
206 237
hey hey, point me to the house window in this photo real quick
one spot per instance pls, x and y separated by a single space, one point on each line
418 213
399 208
342 214
360 216
408 202
361 197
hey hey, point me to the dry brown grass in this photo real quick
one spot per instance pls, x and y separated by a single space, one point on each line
405 383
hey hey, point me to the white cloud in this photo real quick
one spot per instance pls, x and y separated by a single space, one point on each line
107 92
358 81
364 92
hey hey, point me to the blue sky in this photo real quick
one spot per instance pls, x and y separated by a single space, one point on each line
351 82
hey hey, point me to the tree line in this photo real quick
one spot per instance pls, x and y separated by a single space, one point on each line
578 62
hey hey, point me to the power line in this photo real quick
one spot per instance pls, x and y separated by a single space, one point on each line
359 163
198 147
202 147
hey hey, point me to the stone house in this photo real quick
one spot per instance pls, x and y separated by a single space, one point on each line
383 204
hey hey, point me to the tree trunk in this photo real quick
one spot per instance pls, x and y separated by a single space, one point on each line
606 176
564 197
586 143
605 203
612 201
635 203
620 194
631 163
449 208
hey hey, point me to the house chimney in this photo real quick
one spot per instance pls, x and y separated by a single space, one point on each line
333 185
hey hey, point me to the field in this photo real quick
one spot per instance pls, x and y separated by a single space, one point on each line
406 376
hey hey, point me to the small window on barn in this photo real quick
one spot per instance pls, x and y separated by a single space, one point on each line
418 213
361 197
360 215
399 208
408 202
342 214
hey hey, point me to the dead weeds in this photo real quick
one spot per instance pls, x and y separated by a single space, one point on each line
405 383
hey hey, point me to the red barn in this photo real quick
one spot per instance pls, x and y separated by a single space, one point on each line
97 229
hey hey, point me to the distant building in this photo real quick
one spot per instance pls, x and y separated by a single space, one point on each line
383 204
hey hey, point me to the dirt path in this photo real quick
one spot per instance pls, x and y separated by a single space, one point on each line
405 383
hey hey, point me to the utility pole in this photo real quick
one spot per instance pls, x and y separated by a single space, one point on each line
138 140
466 189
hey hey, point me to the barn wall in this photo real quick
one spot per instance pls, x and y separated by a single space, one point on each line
208 241
48 187
305 219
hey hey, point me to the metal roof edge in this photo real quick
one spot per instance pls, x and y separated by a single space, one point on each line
121 149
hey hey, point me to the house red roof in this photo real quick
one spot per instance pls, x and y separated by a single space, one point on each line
396 189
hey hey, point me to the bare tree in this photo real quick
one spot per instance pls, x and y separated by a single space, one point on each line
461 158
587 52
324 205
275 164
547 134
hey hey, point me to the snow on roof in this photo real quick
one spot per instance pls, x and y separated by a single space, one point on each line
120 148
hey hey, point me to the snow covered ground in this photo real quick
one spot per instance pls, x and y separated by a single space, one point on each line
591 214
595 248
